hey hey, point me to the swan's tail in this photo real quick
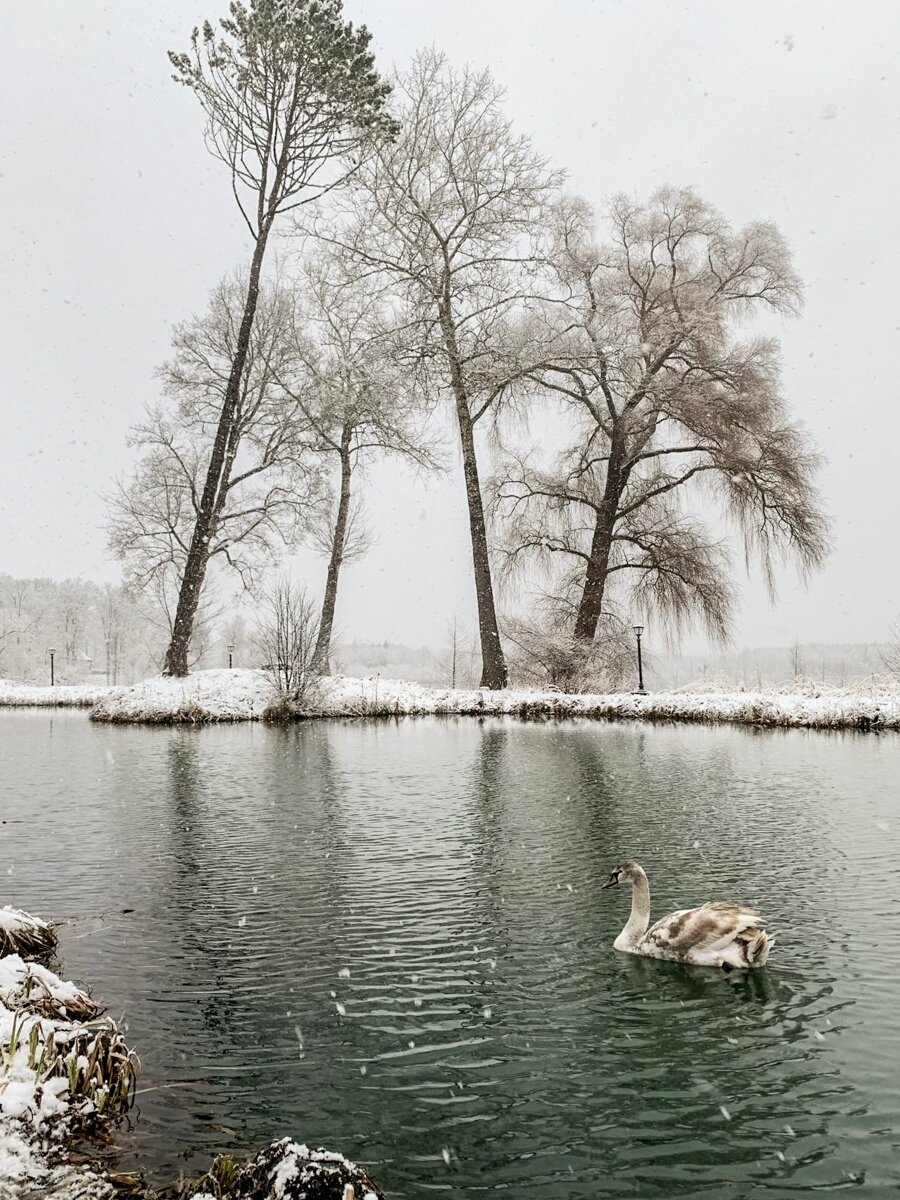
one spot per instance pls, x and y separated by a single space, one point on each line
757 948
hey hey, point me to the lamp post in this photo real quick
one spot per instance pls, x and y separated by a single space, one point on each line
230 648
52 672
638 630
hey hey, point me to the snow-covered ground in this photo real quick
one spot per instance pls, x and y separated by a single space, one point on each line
245 695
27 695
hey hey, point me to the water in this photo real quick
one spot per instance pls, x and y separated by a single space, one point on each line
390 939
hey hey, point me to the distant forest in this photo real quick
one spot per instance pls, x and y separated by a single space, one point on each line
100 634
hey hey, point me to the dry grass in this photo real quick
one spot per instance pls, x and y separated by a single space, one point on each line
36 995
25 935
95 1061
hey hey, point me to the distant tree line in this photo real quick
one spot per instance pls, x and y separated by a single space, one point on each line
433 258
97 632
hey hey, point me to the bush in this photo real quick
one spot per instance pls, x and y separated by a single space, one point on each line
286 634
544 657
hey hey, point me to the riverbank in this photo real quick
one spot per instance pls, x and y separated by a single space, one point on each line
243 695
67 1077
65 1070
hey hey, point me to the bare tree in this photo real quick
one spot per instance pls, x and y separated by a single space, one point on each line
451 213
890 654
288 88
272 486
287 632
453 648
665 398
345 380
458 660
75 602
117 623
798 663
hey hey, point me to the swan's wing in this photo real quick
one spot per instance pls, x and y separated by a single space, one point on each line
710 927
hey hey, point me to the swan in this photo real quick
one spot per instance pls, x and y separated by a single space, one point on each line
713 935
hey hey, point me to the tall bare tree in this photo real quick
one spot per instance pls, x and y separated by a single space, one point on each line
890 653
451 212
272 486
671 410
288 88
345 380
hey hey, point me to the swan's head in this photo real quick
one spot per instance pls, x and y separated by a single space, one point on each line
626 872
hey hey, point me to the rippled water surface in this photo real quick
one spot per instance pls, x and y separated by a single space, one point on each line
390 939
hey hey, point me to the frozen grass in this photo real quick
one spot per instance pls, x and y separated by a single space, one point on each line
248 695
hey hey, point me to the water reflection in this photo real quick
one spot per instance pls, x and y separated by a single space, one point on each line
390 938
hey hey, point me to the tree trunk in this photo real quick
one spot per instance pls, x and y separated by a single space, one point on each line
493 665
217 478
322 651
591 604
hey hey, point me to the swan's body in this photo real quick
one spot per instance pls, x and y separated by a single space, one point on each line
713 935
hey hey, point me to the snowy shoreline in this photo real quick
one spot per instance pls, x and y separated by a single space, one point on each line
245 695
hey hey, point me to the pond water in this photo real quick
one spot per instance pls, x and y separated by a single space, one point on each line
390 939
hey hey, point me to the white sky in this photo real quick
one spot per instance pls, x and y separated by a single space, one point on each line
116 223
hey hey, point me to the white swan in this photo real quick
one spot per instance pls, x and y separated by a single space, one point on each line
713 935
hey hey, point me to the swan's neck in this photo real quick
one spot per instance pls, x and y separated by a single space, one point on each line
639 920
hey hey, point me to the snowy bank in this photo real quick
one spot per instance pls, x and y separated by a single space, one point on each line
27 695
66 1074
205 696
245 696
65 1071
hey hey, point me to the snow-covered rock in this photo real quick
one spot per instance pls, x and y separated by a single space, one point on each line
287 1170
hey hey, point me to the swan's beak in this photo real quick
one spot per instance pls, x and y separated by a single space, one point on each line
611 882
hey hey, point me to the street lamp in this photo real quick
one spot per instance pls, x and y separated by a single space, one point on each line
52 673
230 649
638 630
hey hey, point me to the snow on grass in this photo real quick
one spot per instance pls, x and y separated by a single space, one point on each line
27 695
33 988
21 933
242 695
57 1076
223 695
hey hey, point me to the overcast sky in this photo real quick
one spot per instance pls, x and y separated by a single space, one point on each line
116 223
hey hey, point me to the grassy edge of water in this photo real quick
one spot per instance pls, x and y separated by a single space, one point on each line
90 1076
753 713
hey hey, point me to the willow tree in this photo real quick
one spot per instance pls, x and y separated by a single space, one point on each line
674 413
288 89
452 213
